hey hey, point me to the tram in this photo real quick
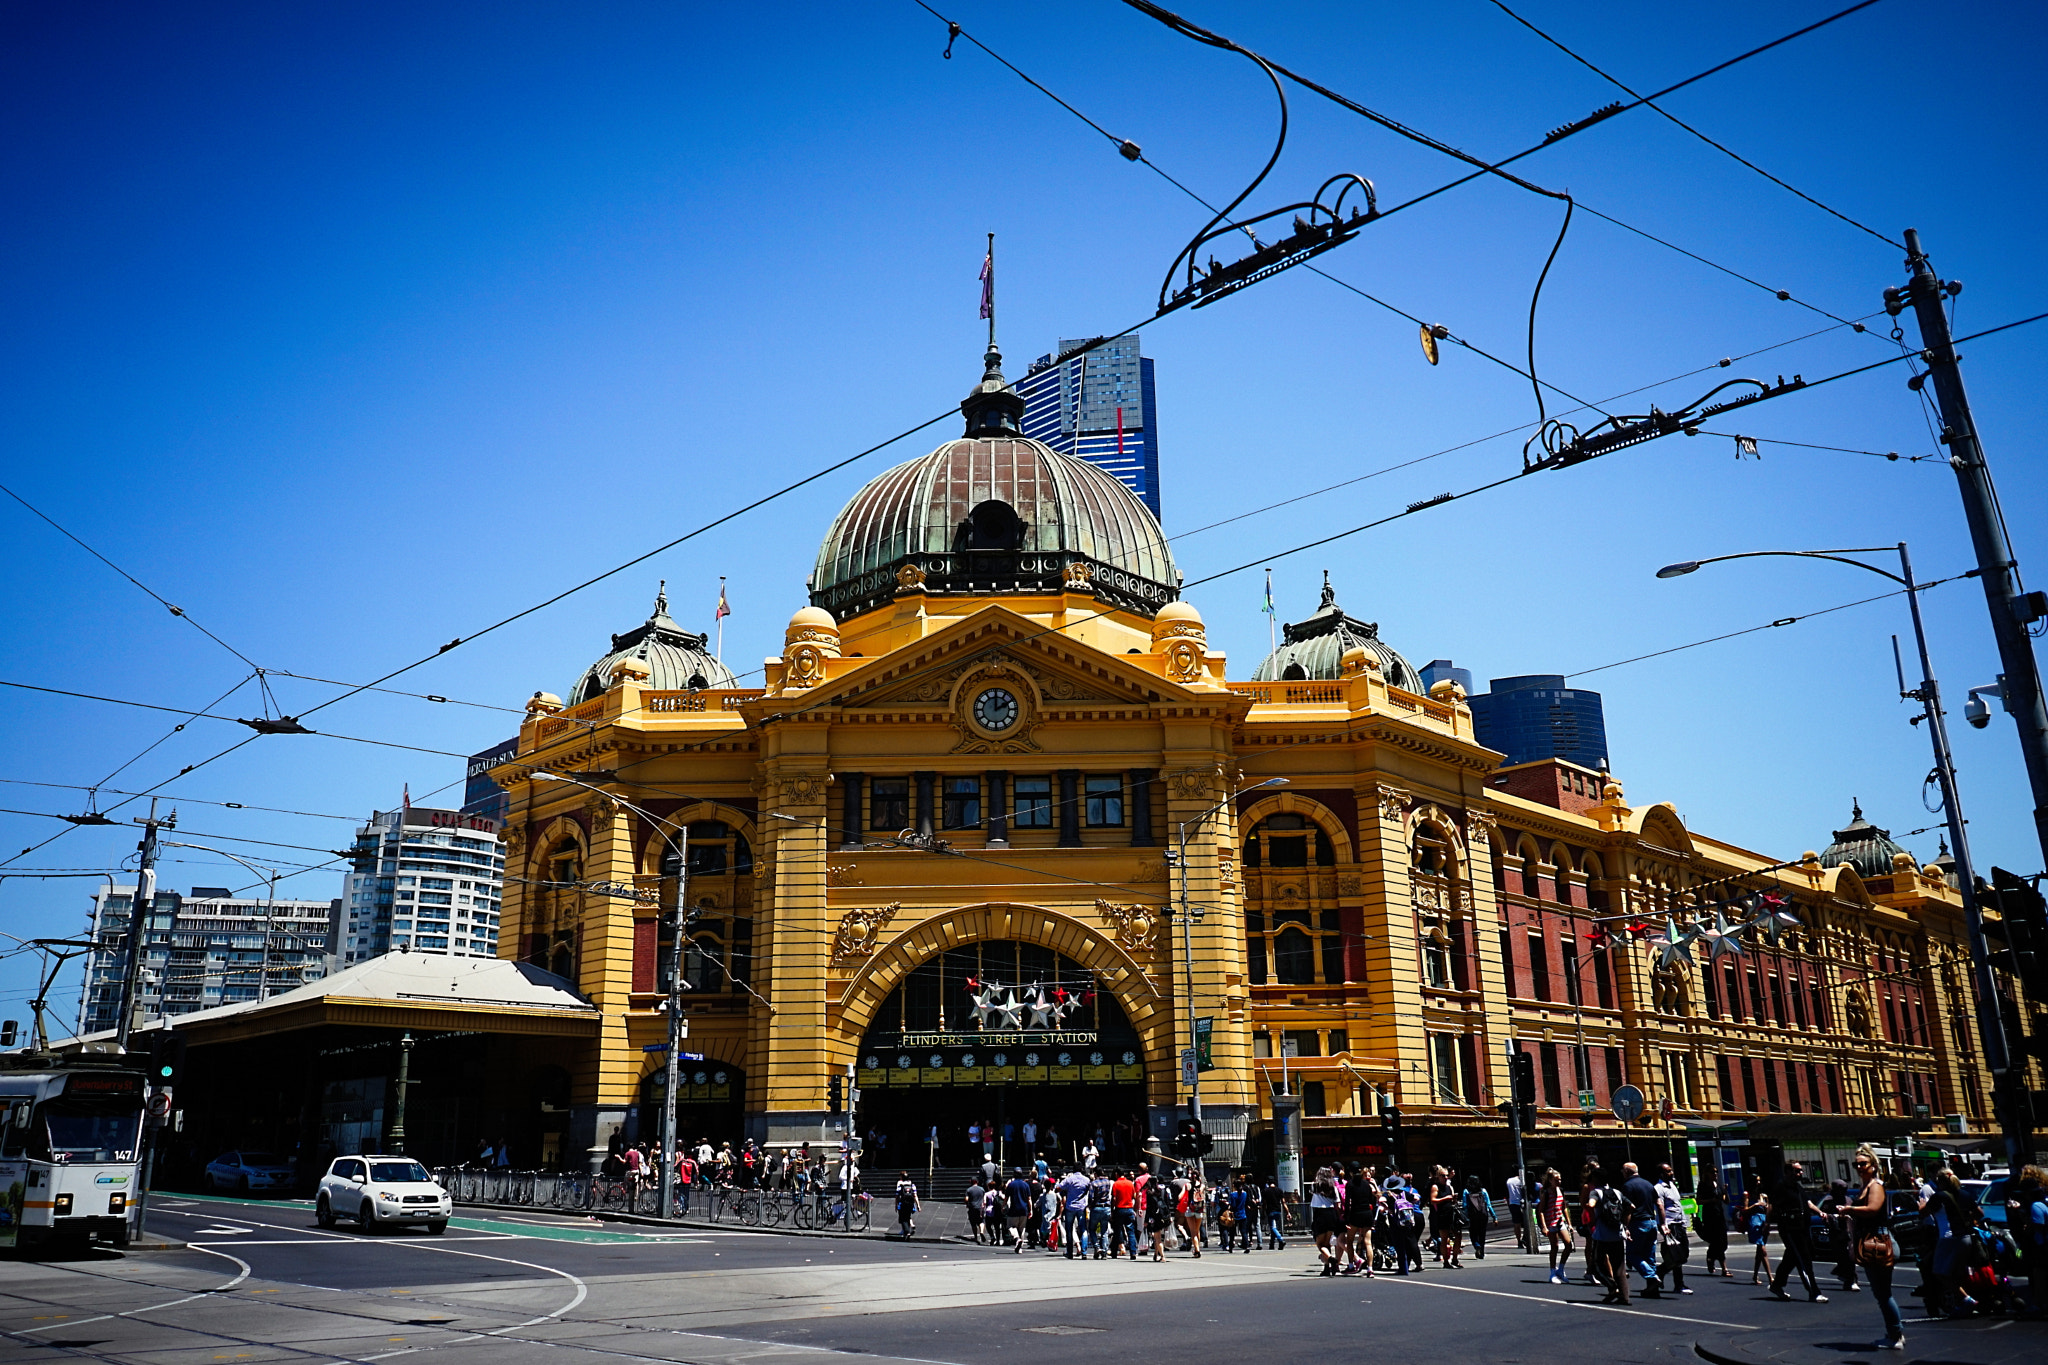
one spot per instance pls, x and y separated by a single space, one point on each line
70 1149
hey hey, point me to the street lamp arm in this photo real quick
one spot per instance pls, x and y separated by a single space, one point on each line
1686 566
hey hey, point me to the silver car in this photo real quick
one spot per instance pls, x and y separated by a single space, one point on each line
249 1172
381 1192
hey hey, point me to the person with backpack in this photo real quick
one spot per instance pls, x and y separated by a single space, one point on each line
906 1203
1955 1219
1478 1211
972 1199
1613 1212
1710 1221
1756 1222
1191 1198
1404 1216
1101 1199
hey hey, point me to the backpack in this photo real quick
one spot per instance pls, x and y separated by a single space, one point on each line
1614 1206
1405 1215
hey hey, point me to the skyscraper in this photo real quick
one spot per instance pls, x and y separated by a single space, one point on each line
480 795
426 881
1537 717
1099 407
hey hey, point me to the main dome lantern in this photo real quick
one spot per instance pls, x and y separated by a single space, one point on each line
994 512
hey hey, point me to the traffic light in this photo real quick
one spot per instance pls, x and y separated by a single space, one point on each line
1525 1077
2023 917
166 1058
8 1030
835 1093
1190 1140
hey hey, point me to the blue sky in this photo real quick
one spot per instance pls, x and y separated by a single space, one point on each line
351 329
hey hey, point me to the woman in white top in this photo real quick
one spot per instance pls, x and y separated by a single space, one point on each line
1325 1204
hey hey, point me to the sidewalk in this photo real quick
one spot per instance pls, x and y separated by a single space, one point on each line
1979 1341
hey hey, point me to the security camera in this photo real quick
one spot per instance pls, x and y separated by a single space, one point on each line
1977 711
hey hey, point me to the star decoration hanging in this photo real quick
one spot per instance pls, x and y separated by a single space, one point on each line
1674 945
1043 1011
1722 939
1010 1012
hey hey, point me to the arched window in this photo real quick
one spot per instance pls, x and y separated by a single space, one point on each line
718 943
1294 957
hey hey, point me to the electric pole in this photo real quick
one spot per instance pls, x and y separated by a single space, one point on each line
138 919
2011 613
2011 610
671 1072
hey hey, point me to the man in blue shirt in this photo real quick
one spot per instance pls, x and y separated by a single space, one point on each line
1646 1215
1073 1188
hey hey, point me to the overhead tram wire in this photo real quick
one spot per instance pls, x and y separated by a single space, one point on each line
183 800
1729 152
1200 34
232 720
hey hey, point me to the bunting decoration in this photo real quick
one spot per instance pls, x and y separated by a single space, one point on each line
1032 1006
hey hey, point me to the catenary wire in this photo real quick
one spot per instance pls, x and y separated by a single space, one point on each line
231 720
1717 146
192 800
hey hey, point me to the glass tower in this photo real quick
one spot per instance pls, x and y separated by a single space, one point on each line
1099 407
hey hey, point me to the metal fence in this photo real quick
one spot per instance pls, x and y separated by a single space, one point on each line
825 1211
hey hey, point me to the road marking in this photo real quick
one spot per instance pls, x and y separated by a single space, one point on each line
108 1317
1567 1303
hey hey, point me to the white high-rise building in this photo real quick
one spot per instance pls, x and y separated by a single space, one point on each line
209 948
425 881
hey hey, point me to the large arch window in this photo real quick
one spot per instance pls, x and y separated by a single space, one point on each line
718 926
1294 932
939 994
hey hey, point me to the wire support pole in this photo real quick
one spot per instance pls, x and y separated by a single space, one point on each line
138 920
2010 614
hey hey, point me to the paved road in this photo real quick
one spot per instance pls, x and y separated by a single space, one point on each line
261 1283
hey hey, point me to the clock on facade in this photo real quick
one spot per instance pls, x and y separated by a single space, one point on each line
996 709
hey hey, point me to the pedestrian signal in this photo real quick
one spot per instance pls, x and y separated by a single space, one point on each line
835 1098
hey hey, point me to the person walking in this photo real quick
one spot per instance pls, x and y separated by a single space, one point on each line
1876 1252
1589 1180
1954 1219
1073 1190
1554 1220
972 1198
1834 1207
1478 1210
1361 1211
1017 1200
1794 1211
1101 1197
1158 1198
907 1203
1612 1213
1404 1214
1325 1218
1191 1204
1446 1234
1756 1214
1515 1212
1645 1220
1273 1203
1675 1246
1711 1223
1123 1214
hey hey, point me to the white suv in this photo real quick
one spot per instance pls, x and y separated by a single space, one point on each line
380 1192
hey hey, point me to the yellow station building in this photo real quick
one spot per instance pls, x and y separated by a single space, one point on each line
994 657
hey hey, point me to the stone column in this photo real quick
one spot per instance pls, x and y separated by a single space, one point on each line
1209 980
1394 964
795 943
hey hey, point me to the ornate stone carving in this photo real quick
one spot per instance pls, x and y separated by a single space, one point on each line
1393 802
909 577
1858 1011
842 874
1672 989
803 665
1193 783
861 930
972 741
1429 897
1149 872
804 788
1183 660
515 841
601 815
1135 924
1479 825
1077 577
1350 884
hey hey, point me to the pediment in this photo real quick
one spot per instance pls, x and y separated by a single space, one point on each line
1059 670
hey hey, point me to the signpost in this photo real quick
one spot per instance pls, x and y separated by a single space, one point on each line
1188 1067
1203 1060
1628 1107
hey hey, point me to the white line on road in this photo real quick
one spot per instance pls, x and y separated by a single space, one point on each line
1568 1303
108 1317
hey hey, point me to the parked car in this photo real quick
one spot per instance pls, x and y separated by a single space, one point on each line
249 1172
381 1192
1990 1194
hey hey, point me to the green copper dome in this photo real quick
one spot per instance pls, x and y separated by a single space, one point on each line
1862 846
676 660
1315 648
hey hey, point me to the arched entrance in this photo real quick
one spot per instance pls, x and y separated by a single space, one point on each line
1000 1034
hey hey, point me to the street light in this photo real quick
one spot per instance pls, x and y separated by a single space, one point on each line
269 874
1187 944
670 1075
1990 1023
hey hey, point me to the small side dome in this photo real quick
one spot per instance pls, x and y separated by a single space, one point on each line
810 619
542 704
1315 649
1178 618
636 669
676 660
1862 845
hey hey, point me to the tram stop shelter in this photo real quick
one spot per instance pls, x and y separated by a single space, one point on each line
312 1073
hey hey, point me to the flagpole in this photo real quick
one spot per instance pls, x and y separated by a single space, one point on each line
991 291
721 618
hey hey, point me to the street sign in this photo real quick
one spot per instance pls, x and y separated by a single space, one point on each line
1203 1060
1628 1104
1187 1067
654 1047
1586 1101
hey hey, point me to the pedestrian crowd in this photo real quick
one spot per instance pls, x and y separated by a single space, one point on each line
1089 1210
701 1167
